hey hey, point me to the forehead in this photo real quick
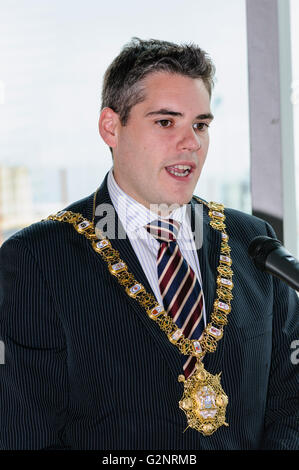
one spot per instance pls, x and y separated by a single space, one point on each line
166 88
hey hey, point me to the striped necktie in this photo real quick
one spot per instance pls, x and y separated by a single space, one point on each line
181 291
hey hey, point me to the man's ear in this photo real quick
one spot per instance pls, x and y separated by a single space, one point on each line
107 126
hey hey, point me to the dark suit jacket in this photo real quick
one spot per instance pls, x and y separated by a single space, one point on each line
86 368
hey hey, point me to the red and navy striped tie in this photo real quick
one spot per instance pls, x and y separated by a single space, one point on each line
181 291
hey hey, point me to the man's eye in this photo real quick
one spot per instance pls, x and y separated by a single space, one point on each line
200 126
164 122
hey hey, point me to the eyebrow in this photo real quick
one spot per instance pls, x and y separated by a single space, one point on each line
168 112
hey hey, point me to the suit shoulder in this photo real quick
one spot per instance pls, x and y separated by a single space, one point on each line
243 217
246 226
242 224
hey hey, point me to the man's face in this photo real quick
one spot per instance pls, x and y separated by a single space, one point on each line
159 154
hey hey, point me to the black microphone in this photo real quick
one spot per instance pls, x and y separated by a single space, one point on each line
270 255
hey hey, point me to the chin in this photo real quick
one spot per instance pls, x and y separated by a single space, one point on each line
178 201
175 200
183 199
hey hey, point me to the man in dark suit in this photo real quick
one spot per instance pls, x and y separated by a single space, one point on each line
95 356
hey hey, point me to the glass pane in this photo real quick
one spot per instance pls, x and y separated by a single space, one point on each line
294 14
53 55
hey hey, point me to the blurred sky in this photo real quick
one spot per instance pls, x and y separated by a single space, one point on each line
53 54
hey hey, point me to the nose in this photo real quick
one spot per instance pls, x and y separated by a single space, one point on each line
189 141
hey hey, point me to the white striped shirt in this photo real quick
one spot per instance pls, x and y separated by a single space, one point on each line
134 216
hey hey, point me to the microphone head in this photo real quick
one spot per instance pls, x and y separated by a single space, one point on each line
259 249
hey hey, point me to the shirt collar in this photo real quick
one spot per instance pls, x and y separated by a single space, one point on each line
131 213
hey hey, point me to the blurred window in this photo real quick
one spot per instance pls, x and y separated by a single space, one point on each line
53 55
294 14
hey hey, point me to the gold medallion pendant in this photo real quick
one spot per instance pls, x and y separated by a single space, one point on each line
203 401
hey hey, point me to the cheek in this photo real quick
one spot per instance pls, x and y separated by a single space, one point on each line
152 156
204 148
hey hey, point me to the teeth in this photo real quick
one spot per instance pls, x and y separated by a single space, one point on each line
182 167
172 169
179 174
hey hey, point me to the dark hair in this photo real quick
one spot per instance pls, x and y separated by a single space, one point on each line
122 87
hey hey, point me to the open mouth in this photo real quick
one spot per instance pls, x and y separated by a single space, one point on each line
179 171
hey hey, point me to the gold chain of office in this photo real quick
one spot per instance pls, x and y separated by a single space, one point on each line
214 330
204 401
